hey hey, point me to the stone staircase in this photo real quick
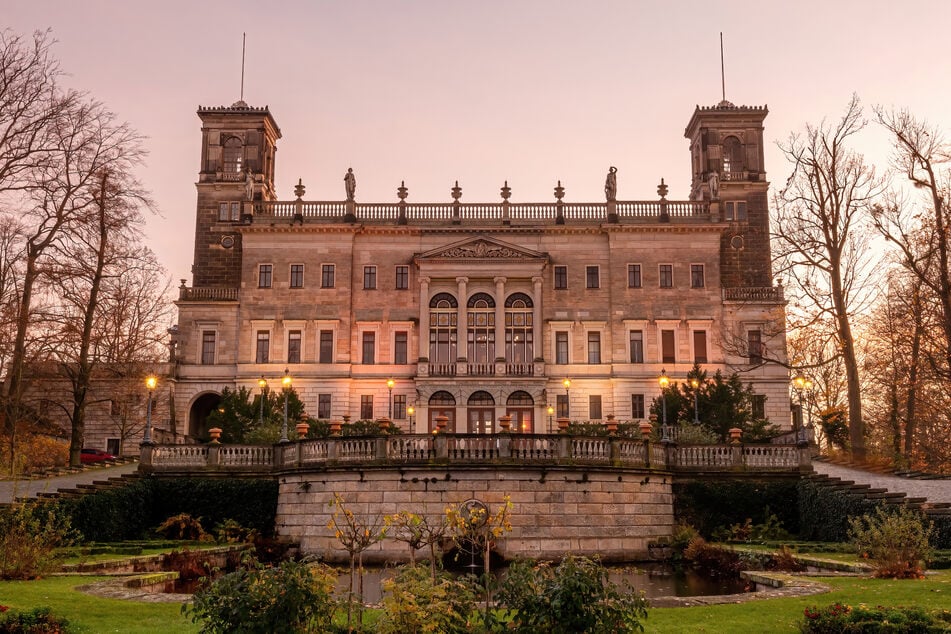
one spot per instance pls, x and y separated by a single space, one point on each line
81 489
865 491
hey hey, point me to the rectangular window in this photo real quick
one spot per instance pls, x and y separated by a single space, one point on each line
293 346
592 277
735 210
561 405
399 348
366 407
323 406
594 347
696 276
561 348
667 340
208 347
369 277
633 275
402 278
759 406
229 211
399 406
297 276
700 346
561 278
264 276
666 275
637 406
327 276
369 348
326 347
754 343
637 346
594 407
263 350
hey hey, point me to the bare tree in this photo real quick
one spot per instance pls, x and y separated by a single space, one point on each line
921 232
822 237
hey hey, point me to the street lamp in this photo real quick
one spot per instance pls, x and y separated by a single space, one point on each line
389 385
551 411
410 411
664 381
567 384
285 388
262 383
150 383
799 384
694 383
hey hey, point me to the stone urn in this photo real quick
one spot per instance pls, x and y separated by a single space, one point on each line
384 423
735 433
505 422
611 425
215 434
563 423
646 429
441 421
302 429
335 426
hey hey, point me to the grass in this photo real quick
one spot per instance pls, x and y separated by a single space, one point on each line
96 614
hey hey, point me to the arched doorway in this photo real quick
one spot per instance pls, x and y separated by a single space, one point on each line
521 406
481 413
442 404
198 414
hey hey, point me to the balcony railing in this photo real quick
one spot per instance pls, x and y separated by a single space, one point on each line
317 211
473 449
754 294
207 293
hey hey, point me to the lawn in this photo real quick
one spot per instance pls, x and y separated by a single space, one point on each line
96 614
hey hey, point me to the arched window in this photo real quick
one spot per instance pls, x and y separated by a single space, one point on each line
518 329
442 329
442 404
481 413
231 156
520 398
481 323
733 162
519 405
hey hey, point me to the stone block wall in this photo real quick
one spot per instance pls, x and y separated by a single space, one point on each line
612 513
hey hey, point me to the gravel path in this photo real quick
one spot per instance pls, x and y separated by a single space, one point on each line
29 488
934 490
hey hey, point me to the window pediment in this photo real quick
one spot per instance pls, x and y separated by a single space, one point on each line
481 248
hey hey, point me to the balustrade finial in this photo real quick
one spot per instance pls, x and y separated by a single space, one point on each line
299 189
662 190
402 191
456 192
506 191
559 192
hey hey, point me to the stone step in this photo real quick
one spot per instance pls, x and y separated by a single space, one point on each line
886 495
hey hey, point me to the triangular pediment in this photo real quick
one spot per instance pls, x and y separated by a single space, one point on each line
481 248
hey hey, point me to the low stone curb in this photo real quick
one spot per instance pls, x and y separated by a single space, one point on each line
783 585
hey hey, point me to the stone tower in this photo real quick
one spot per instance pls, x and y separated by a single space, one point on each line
238 145
726 152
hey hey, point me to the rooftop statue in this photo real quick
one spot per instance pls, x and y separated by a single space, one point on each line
610 185
350 182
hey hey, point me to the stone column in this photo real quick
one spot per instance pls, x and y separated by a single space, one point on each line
424 318
499 317
462 322
537 348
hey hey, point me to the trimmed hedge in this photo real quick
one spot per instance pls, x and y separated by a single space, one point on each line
134 510
824 515
713 503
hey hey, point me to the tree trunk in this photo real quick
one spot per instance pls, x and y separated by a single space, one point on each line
911 399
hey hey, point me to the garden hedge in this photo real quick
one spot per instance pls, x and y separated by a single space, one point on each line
713 503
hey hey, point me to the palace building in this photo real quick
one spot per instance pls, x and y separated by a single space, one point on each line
473 311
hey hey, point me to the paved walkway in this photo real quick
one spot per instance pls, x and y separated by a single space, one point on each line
29 488
934 490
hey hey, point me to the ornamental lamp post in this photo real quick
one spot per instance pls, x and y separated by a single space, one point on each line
262 383
664 381
389 385
799 384
694 383
285 388
551 412
410 411
150 383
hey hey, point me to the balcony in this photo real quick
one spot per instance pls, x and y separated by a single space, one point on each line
754 294
207 294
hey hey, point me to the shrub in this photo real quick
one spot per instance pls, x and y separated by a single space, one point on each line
415 602
182 526
29 537
575 596
896 541
837 618
36 621
231 532
712 561
293 597
712 503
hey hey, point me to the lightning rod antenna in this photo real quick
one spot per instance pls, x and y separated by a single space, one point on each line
244 37
722 72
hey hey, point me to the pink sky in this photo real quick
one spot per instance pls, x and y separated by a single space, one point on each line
532 92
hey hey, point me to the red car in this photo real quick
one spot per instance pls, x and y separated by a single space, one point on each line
94 455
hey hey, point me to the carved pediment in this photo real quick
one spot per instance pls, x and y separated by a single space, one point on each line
480 248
